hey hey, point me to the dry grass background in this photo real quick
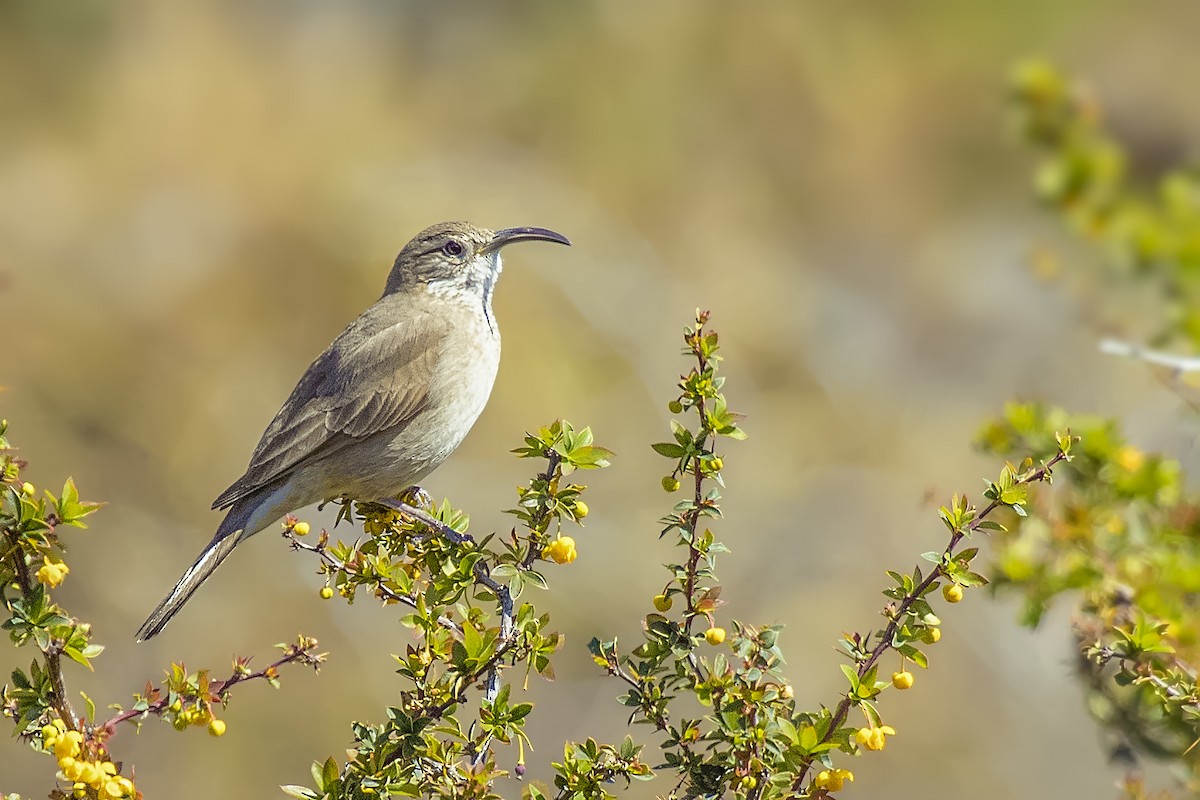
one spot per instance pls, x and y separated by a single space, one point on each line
194 198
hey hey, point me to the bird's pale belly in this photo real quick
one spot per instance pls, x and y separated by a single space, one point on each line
387 463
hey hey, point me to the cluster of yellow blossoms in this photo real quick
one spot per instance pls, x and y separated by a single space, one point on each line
561 550
52 573
99 776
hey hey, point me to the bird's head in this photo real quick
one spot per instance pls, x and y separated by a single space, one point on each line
459 258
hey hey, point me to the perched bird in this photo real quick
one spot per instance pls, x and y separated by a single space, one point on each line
385 404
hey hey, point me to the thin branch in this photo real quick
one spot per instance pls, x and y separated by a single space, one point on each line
1116 347
51 651
889 632
217 690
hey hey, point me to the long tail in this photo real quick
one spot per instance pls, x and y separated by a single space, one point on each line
216 552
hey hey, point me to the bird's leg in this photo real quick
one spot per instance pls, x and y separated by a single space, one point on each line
423 516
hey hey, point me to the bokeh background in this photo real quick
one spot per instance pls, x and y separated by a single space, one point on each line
196 197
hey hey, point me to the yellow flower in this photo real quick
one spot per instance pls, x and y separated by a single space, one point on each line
714 635
832 780
874 738
27 489
581 509
952 592
932 636
1130 459
561 550
670 484
301 529
326 593
663 603
52 573
902 679
216 727
68 744
90 774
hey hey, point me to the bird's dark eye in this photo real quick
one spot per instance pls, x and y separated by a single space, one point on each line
454 248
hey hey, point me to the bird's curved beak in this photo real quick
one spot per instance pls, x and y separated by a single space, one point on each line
511 235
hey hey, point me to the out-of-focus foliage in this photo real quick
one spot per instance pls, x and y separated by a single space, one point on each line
1120 535
1150 233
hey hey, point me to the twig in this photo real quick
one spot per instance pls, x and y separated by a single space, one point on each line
1116 347
889 632
217 690
52 650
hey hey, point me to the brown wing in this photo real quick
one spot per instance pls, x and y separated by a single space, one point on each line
373 377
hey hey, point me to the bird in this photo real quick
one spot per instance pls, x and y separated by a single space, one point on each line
386 403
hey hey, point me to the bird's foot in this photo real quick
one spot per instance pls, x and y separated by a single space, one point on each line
417 497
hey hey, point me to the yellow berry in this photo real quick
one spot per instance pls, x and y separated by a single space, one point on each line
714 635
670 484
216 727
663 602
326 593
716 464
902 679
581 509
301 529
932 636
952 592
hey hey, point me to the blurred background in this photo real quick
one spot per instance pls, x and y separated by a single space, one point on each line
195 198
